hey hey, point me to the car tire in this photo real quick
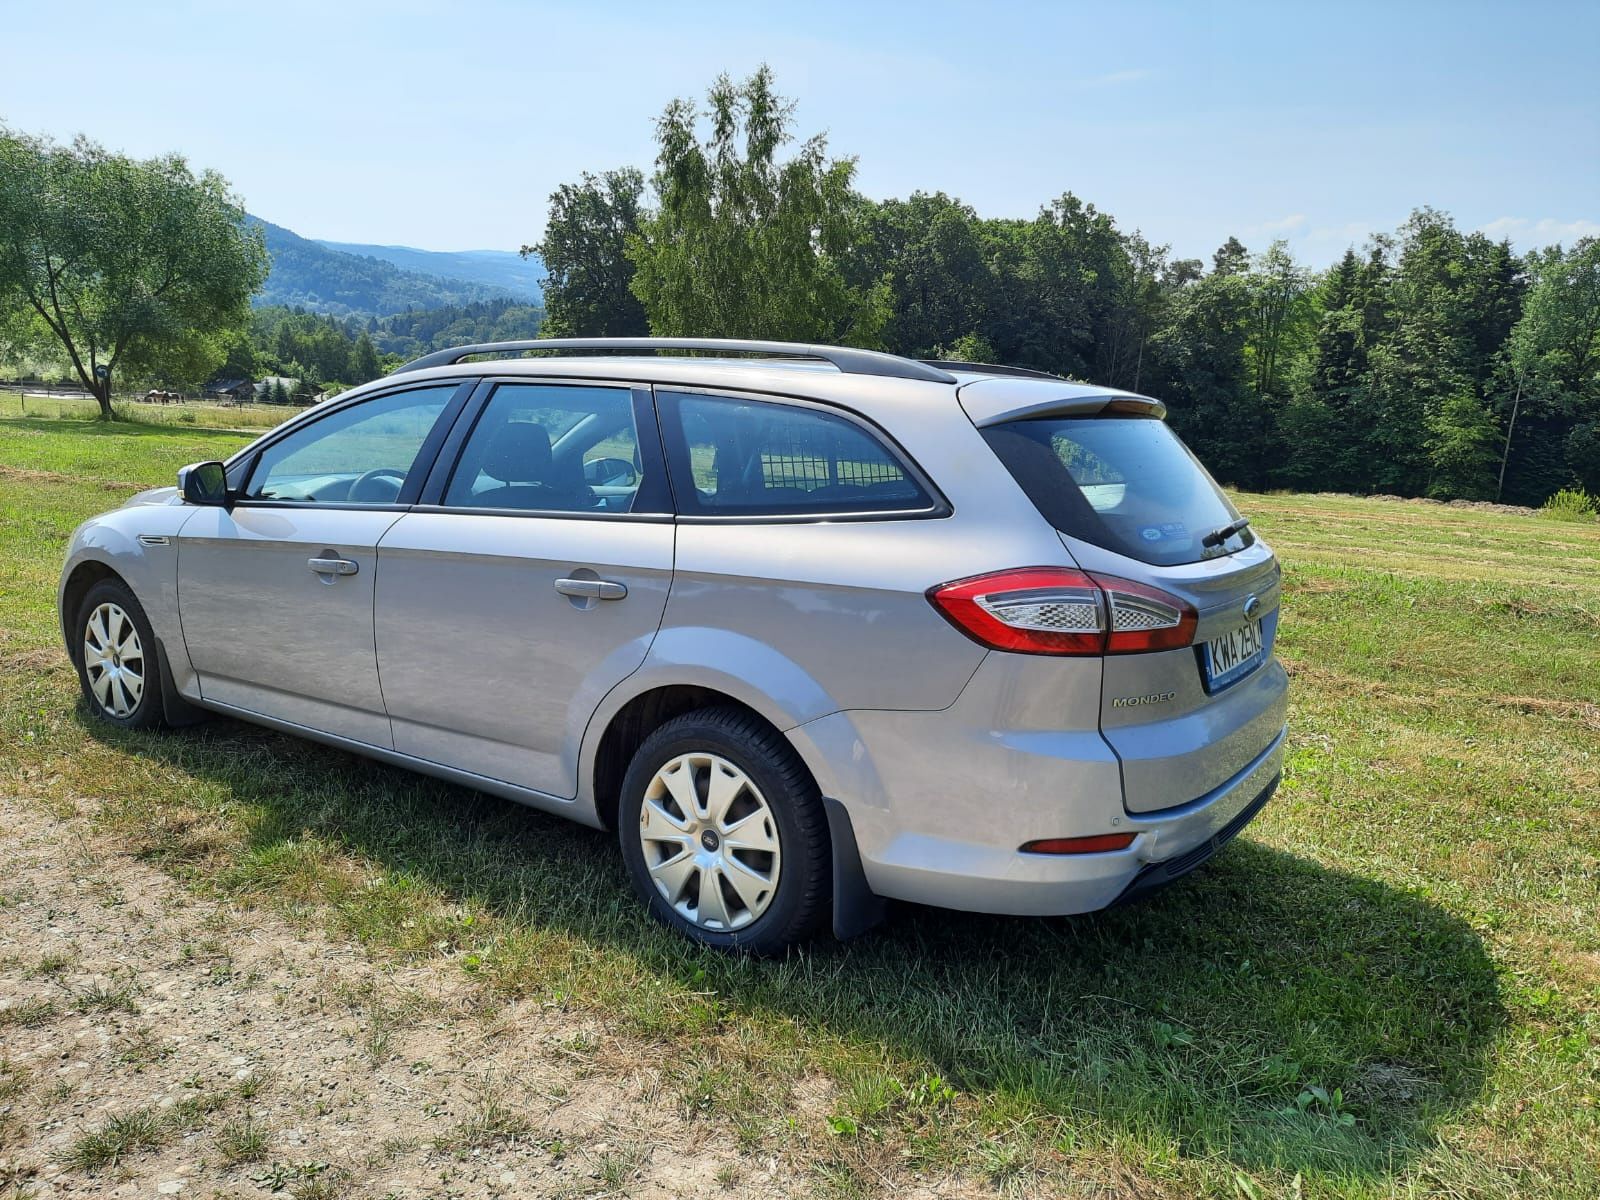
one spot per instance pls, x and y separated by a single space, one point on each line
703 872
119 667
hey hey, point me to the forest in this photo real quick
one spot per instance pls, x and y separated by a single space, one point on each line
329 353
1430 361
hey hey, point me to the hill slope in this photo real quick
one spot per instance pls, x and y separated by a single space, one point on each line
310 275
493 268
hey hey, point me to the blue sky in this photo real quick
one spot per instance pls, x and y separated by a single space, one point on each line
446 126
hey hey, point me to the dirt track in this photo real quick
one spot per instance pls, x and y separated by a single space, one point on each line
207 1028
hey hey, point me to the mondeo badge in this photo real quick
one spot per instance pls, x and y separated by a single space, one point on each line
1136 701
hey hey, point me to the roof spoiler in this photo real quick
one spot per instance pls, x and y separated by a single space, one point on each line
848 360
995 401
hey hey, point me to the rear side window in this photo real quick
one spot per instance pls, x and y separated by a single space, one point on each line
755 458
1126 484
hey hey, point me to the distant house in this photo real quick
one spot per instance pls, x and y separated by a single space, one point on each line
265 388
237 390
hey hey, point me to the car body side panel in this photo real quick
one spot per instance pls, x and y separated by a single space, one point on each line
846 602
266 634
485 666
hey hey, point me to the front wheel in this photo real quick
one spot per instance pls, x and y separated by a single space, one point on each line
118 666
724 834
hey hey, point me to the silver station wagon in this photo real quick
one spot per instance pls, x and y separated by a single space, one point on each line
809 627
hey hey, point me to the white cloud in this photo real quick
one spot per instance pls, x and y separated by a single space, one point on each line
1352 234
1543 232
1283 225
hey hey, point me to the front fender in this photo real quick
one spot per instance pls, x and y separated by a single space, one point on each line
139 544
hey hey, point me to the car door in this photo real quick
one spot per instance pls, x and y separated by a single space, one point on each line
275 591
529 582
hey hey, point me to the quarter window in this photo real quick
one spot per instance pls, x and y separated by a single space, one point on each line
754 458
552 448
362 454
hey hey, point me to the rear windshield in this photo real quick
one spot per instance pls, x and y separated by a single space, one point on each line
1124 483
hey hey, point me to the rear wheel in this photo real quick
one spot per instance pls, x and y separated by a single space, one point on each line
723 833
117 662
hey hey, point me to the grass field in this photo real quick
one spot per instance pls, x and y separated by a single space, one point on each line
230 416
1389 987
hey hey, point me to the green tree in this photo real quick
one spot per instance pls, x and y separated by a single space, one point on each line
1454 296
744 245
1203 375
1281 315
589 276
933 252
129 265
364 360
1552 376
1461 447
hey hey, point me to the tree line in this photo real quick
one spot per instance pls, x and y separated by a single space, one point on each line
332 353
1430 361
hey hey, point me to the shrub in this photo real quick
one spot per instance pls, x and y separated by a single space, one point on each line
1571 504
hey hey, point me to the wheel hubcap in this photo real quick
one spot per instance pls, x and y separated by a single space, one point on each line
710 842
113 658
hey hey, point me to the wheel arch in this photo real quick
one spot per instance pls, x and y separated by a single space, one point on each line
855 908
74 588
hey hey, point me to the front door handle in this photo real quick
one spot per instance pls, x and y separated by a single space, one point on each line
332 566
598 589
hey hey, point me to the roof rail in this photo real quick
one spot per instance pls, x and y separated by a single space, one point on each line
849 361
951 364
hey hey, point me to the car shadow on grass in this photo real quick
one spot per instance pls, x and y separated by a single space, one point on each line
1267 1011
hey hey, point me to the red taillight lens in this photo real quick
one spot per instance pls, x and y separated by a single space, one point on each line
1145 618
1079 845
1056 610
1034 610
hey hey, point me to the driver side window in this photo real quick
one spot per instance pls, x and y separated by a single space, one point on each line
362 455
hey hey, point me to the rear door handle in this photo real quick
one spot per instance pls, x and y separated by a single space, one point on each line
332 566
599 589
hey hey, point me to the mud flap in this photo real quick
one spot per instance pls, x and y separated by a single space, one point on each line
856 909
175 710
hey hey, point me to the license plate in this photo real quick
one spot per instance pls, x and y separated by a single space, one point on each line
1234 654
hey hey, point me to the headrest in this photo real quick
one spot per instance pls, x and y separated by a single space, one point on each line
519 452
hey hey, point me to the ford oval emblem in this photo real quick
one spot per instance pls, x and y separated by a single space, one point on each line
1250 607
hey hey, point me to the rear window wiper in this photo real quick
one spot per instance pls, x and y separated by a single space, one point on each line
1223 532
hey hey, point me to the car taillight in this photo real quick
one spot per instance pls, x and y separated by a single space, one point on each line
1145 618
1056 610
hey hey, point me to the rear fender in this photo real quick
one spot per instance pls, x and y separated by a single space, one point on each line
739 667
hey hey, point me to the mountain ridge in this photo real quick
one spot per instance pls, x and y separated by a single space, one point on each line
318 277
493 268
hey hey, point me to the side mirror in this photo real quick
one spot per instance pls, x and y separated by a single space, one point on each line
610 472
204 483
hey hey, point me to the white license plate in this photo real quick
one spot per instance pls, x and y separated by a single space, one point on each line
1233 654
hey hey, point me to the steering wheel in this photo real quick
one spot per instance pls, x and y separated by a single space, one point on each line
376 473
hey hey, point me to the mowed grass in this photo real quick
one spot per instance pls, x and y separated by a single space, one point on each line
188 412
1389 987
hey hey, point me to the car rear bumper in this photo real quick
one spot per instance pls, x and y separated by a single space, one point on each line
928 867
